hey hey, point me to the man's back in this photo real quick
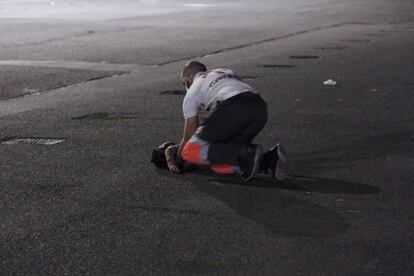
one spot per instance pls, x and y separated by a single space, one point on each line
210 87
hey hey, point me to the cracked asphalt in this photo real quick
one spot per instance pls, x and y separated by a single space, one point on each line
104 75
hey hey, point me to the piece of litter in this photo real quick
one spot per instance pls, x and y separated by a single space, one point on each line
330 82
340 200
374 90
354 211
27 90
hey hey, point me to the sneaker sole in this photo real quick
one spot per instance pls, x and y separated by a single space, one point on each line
256 167
282 163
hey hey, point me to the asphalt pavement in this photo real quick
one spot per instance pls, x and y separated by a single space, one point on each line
103 76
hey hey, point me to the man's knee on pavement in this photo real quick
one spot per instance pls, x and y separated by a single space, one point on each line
224 169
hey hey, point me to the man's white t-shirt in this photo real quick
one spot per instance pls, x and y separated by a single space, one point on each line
211 87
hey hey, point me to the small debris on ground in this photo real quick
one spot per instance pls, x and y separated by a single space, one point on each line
330 82
27 90
354 211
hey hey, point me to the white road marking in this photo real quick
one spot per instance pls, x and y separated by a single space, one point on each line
197 5
69 64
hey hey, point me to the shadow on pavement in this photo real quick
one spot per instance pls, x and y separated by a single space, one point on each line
306 184
278 212
263 201
345 151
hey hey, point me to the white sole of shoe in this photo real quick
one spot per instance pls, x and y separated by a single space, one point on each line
282 163
256 166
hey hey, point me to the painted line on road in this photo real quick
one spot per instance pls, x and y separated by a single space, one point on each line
304 57
267 40
69 64
87 33
198 5
108 116
331 48
248 77
376 35
356 40
283 66
177 92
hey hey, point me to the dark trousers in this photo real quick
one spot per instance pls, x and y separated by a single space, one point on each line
232 126
225 135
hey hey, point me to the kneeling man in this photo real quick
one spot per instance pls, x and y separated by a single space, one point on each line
236 114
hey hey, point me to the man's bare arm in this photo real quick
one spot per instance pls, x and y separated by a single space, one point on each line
190 126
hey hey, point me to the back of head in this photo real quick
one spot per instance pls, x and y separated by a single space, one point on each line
193 67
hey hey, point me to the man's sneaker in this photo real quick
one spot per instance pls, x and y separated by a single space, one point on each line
249 162
276 160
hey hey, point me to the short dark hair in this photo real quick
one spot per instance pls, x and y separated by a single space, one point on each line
193 67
